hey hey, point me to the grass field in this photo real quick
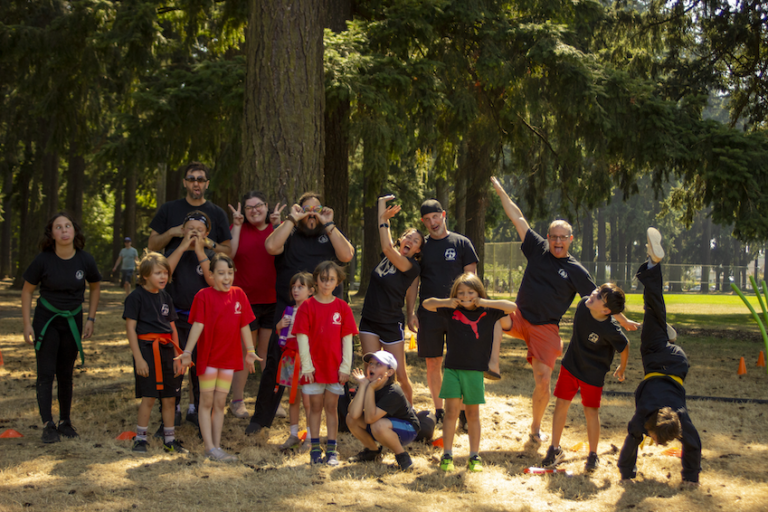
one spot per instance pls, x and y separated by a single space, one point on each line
96 472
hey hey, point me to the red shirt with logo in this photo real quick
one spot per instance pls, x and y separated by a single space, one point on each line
325 325
222 314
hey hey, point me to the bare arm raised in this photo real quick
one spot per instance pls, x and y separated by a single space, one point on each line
511 209
388 248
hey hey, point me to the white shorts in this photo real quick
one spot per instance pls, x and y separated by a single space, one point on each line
319 389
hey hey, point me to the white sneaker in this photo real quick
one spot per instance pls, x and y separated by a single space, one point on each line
671 333
281 412
238 409
220 455
655 250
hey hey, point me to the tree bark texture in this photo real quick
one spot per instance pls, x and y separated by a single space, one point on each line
117 219
706 252
129 217
601 247
479 152
588 243
283 130
75 182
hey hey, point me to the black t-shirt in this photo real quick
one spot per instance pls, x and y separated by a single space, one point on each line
653 394
391 400
386 291
153 312
187 280
302 253
593 344
172 213
62 282
470 337
549 284
442 261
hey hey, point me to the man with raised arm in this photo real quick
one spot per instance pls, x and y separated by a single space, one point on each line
551 280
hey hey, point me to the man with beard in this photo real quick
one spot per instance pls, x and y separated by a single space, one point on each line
306 238
550 282
166 232
166 235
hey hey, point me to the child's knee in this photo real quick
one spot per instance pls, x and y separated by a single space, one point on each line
472 412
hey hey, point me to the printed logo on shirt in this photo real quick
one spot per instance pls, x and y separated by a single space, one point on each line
385 267
450 254
593 338
199 270
323 239
563 273
165 310
238 308
337 318
79 275
458 315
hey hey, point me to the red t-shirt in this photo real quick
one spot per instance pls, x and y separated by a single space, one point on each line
325 325
223 314
256 273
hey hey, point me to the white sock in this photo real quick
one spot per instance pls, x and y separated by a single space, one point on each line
295 430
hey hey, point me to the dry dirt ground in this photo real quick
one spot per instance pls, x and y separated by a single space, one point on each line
97 472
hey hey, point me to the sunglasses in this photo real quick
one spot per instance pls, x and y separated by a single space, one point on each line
313 209
199 179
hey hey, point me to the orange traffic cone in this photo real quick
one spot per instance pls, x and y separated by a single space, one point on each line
577 447
2 363
303 435
126 436
760 360
10 433
673 452
438 442
742 367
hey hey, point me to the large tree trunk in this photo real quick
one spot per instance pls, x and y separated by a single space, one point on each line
29 227
117 219
587 242
479 152
75 182
50 169
601 249
706 252
129 218
283 130
8 163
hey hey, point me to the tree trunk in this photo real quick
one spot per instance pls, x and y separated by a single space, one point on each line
75 182
29 226
628 266
460 177
8 164
283 130
479 152
587 243
117 219
129 217
619 259
50 170
601 250
706 253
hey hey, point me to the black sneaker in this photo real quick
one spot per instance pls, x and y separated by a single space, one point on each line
140 446
366 455
252 428
192 418
593 462
439 415
404 461
463 421
160 432
50 433
177 419
174 447
67 430
554 457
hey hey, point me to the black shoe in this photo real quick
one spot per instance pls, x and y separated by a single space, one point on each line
177 419
367 455
404 461
192 418
160 433
463 421
67 430
439 415
554 457
140 446
593 462
174 447
50 433
252 428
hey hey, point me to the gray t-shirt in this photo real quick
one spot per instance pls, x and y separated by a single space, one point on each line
129 255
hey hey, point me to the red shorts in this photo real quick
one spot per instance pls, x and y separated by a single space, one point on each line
543 341
567 386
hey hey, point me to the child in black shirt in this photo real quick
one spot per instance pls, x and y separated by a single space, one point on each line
150 324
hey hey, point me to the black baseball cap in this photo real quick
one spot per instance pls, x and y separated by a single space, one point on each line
431 206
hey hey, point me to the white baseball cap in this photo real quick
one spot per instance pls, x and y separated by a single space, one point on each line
383 357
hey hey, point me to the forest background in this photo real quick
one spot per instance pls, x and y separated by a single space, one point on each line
613 115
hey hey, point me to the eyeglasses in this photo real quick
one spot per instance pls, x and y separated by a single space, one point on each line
199 179
559 238
313 209
249 208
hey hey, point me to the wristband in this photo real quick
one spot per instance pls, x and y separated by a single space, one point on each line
251 351
332 224
203 261
188 352
91 319
384 225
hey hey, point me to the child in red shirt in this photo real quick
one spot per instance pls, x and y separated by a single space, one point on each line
222 315
302 287
324 327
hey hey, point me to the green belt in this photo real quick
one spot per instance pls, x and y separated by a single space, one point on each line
70 316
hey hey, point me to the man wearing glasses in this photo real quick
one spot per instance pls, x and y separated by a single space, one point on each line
166 231
307 237
551 280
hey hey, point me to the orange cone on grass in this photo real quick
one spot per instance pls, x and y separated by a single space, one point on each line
10 433
126 436
760 360
742 367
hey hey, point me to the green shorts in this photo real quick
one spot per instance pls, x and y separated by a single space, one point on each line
465 384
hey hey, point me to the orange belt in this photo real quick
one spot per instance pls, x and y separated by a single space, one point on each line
296 372
157 340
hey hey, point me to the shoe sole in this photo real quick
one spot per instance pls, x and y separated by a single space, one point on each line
671 333
654 245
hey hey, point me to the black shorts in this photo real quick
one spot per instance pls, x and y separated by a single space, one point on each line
147 386
388 333
432 331
265 316
126 276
